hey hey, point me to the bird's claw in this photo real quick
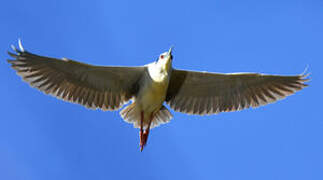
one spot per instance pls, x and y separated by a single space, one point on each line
143 139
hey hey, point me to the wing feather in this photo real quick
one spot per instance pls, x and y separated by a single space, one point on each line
208 93
103 87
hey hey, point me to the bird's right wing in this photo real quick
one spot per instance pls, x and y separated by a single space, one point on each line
104 87
202 93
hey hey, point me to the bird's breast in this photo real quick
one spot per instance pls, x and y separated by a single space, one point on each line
152 94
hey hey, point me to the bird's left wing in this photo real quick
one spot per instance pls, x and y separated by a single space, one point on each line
104 87
207 93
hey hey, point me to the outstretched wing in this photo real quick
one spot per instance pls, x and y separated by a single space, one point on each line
104 87
207 93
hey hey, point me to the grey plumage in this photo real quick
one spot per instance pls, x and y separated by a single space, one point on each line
106 88
208 93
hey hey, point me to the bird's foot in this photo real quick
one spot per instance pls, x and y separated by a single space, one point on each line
143 139
144 133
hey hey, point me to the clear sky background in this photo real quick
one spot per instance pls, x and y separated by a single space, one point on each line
45 138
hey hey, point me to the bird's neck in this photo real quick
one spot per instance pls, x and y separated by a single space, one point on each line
159 71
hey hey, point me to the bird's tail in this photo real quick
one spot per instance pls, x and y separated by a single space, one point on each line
163 116
131 115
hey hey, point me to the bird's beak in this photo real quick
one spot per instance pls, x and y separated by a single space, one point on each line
170 50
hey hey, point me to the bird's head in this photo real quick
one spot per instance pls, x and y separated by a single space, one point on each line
165 59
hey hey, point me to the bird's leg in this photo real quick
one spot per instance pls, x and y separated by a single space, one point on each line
146 132
141 130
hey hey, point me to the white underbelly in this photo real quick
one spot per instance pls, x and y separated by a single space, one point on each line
149 100
151 96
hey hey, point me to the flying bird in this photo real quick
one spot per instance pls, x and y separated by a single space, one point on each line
149 86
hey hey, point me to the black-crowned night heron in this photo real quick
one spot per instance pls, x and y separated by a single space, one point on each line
110 87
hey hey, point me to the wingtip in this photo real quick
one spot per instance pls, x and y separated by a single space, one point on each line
20 45
18 50
12 54
13 48
305 70
305 74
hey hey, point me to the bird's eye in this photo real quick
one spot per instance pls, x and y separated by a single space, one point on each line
162 57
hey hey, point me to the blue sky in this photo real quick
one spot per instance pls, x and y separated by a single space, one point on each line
45 138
